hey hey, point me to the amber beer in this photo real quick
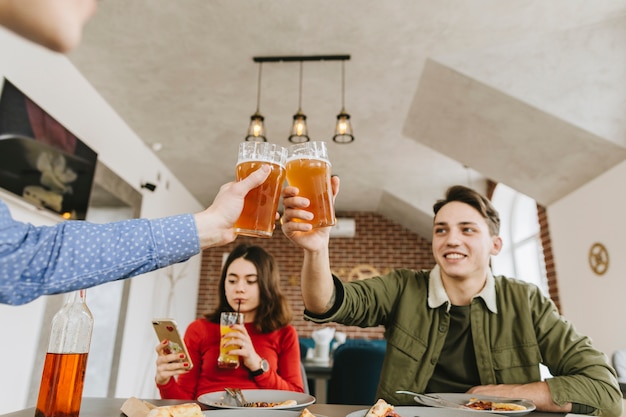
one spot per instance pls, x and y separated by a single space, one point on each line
63 398
260 205
226 360
308 168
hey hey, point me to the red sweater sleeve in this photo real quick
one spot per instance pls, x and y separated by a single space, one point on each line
171 390
285 373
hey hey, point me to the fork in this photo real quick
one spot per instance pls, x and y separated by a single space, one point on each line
236 395
432 397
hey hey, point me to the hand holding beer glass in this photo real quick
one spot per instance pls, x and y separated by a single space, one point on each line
308 168
260 205
227 319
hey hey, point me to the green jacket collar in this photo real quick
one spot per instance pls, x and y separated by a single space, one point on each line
437 295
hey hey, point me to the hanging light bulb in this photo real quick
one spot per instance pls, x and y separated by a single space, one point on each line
299 130
343 128
256 130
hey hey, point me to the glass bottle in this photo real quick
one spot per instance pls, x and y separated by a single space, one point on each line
63 376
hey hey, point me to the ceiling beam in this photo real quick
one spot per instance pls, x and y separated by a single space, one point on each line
300 58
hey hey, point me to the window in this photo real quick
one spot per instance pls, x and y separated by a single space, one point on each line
522 253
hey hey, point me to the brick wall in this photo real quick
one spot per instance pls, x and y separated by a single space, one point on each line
379 245
546 242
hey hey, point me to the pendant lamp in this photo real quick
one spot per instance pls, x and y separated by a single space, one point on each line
343 128
256 130
299 130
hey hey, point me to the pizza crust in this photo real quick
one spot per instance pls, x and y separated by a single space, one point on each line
379 409
179 410
263 404
306 413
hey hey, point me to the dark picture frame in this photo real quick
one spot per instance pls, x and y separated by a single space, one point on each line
40 159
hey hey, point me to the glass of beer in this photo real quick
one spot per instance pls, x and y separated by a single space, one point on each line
260 205
308 168
227 319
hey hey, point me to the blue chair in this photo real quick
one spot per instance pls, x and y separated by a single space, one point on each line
305 380
356 372
619 363
305 345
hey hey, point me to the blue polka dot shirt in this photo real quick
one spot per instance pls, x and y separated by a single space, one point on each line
72 255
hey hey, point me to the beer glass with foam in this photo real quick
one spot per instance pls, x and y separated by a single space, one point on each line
260 205
308 168
227 319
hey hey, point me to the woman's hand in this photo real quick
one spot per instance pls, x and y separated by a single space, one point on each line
169 365
243 347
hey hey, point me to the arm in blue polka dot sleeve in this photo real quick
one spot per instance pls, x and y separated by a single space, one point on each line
71 255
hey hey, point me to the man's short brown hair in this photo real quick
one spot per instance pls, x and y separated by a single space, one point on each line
475 199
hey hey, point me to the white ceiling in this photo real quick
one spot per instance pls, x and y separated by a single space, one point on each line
531 93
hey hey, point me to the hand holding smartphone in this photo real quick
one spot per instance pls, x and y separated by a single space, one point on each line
167 329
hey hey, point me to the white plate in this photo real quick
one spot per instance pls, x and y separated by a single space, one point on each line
462 399
423 411
216 399
262 412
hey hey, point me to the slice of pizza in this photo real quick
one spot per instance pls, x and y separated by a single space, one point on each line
507 407
381 409
306 413
476 404
179 410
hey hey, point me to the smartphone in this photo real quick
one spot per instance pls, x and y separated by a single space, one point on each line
167 329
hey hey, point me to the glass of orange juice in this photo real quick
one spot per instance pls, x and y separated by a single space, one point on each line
227 319
260 205
308 168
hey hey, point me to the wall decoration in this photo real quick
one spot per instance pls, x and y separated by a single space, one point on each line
40 160
356 273
598 258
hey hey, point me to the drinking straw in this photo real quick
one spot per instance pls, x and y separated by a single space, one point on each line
238 307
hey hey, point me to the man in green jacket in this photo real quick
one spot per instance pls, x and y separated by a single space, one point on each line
458 328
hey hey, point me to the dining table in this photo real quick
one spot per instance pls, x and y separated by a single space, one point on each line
111 407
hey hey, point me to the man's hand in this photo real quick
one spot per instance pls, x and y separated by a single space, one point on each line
216 224
537 392
292 221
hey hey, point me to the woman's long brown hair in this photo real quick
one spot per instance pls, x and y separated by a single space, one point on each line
273 311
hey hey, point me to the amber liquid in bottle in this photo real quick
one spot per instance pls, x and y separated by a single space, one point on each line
62 385
63 376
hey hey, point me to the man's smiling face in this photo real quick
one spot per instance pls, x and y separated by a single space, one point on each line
462 244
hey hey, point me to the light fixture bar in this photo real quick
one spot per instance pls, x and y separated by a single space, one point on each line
299 129
300 58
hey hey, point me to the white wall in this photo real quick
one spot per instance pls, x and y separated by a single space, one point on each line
54 84
593 213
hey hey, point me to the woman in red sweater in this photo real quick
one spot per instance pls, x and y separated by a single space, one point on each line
270 352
